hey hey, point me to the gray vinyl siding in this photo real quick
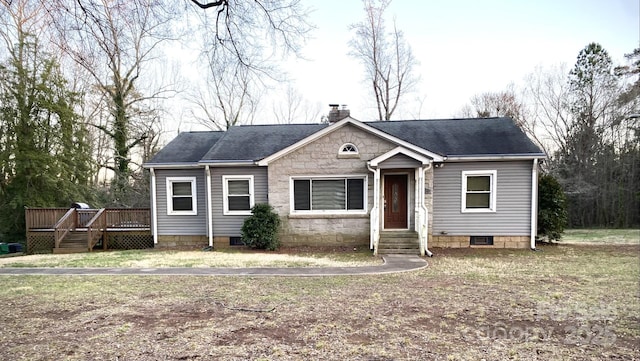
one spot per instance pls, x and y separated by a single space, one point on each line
187 225
229 225
513 203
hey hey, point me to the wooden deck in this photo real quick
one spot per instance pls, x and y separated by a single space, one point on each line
66 230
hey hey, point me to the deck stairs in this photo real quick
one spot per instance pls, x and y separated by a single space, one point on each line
398 242
73 242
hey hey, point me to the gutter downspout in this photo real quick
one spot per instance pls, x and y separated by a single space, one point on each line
154 207
534 203
419 210
375 209
425 210
207 172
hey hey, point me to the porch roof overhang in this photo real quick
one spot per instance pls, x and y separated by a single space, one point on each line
423 159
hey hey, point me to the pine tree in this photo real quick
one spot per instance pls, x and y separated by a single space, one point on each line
45 160
592 106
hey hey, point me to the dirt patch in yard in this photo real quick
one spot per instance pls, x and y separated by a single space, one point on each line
564 303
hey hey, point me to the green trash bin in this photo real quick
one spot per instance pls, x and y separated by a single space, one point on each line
4 248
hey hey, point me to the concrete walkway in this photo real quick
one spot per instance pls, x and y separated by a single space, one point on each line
392 264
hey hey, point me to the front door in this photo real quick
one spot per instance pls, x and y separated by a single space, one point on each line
395 201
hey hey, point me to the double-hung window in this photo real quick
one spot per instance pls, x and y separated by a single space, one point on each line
181 196
238 194
479 191
329 195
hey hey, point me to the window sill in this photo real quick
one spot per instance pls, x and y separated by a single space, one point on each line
174 213
478 211
327 215
348 156
239 213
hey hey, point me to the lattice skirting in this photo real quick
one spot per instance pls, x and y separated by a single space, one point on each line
129 240
43 242
40 242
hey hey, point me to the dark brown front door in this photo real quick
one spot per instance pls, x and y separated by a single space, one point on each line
395 201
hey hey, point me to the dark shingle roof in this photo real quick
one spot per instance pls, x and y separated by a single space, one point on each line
187 147
254 142
459 137
447 137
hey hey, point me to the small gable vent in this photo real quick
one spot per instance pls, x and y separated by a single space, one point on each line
348 148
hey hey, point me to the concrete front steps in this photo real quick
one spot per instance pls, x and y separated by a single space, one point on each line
74 242
398 242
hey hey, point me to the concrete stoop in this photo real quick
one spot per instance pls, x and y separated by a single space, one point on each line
399 242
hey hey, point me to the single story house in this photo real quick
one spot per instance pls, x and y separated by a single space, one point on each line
394 186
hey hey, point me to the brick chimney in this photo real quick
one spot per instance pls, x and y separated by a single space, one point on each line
337 113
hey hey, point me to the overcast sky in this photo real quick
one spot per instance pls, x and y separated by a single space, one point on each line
464 47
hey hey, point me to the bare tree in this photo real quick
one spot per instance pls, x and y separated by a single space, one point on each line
230 96
113 41
294 108
506 103
498 104
387 58
240 44
546 92
419 101
253 31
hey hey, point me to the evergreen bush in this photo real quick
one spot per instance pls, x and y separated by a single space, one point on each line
552 208
260 230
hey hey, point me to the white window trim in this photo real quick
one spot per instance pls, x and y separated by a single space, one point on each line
343 152
330 212
194 196
225 195
492 197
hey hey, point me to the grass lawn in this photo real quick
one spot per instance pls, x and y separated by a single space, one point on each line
155 258
566 302
602 236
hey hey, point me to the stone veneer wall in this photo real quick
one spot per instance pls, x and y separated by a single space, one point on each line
463 242
182 241
320 158
221 242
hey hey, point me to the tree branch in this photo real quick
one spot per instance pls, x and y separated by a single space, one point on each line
210 5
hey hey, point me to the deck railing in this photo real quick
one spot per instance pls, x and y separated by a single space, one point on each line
48 218
84 216
96 227
43 218
120 227
129 218
67 223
